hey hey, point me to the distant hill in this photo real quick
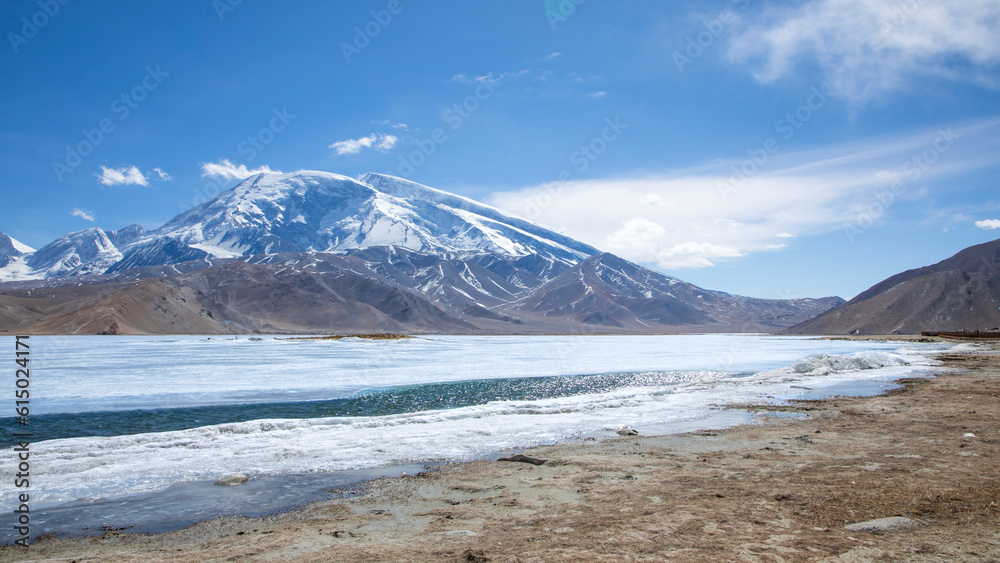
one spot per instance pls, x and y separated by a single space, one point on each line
389 289
319 252
960 293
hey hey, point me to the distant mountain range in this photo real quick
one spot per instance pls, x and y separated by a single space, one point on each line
319 252
960 293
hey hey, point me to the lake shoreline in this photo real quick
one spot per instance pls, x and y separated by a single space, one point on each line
785 487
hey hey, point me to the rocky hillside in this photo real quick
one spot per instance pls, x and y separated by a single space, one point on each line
960 293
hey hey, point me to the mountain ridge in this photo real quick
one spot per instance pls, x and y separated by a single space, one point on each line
448 262
959 293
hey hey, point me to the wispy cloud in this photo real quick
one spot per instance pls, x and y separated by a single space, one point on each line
229 171
539 82
679 219
866 48
489 77
163 175
989 224
125 176
378 141
388 123
84 214
131 176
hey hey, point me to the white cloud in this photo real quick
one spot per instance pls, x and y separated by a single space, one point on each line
386 142
489 77
84 214
163 175
653 199
645 241
229 171
680 219
388 123
989 224
354 146
866 48
131 176
378 141
125 176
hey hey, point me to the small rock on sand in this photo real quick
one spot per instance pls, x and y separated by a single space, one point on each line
882 525
232 480
524 459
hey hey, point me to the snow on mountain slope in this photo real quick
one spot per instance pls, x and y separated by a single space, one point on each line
158 251
305 211
13 255
495 224
126 236
10 246
608 291
89 251
324 212
11 249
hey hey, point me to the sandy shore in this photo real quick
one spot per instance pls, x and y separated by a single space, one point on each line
781 490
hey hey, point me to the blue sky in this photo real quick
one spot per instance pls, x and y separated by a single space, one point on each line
774 149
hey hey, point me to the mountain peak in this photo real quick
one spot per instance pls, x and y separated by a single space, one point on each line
126 235
11 249
89 251
324 212
10 246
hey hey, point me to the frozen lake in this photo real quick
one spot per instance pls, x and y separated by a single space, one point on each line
138 415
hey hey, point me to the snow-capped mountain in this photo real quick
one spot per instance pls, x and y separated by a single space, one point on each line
304 211
323 212
320 251
11 249
89 251
126 236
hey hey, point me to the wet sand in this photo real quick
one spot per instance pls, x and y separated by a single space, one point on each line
779 490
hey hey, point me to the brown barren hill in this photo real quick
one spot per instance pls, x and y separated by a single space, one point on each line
960 293
146 308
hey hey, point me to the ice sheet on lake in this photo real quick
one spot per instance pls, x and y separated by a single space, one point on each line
64 470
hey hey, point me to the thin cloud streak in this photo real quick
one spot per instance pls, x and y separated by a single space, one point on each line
868 48
681 219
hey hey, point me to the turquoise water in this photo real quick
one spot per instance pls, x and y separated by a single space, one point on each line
374 402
